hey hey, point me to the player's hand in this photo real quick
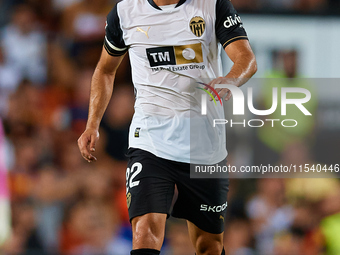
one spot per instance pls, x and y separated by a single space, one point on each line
87 143
223 93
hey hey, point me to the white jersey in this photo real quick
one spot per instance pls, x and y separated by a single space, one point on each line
172 51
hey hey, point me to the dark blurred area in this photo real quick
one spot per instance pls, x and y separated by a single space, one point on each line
54 202
303 7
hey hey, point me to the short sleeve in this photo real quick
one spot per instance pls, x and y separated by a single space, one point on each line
228 26
114 42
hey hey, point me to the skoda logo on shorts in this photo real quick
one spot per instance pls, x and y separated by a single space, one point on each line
197 26
128 199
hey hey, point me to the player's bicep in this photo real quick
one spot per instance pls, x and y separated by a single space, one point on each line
109 64
228 27
239 50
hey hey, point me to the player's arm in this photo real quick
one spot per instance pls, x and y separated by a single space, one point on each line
233 37
243 69
101 92
102 83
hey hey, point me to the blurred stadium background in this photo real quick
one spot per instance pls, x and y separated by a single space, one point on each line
53 202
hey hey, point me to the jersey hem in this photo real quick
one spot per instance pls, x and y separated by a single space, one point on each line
179 160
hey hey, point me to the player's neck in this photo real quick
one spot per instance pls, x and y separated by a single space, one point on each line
165 2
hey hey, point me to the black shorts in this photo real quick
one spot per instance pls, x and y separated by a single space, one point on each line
150 183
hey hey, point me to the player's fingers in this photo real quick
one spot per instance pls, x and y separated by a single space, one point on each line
88 156
212 84
207 85
223 93
93 143
218 90
228 96
85 154
85 157
82 144
92 158
215 93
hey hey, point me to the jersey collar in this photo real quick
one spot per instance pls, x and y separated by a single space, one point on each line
152 3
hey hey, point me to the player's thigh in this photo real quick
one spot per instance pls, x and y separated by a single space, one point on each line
205 242
202 202
148 231
150 190
149 185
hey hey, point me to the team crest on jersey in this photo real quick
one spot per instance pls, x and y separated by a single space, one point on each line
128 199
197 26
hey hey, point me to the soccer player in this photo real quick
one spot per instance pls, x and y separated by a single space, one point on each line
173 45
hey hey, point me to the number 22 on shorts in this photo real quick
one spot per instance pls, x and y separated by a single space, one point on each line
131 174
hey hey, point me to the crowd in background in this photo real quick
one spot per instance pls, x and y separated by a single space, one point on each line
60 204
288 6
